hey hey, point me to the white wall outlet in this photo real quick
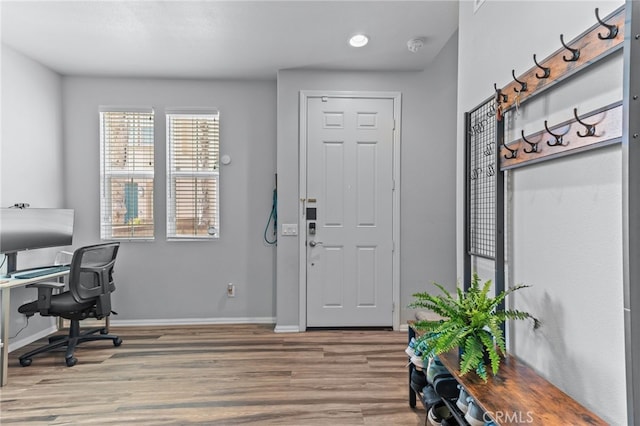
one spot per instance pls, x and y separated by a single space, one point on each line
231 290
289 229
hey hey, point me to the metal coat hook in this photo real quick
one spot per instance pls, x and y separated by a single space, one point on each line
557 137
575 53
500 97
514 152
534 146
523 84
590 128
546 71
613 29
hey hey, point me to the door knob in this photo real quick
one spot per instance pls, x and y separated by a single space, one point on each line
314 243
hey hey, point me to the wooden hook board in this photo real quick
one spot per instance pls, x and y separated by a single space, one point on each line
591 47
608 130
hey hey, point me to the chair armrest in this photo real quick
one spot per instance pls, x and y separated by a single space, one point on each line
45 290
50 285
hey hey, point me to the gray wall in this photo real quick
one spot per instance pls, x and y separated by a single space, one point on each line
564 216
161 282
428 149
164 281
31 161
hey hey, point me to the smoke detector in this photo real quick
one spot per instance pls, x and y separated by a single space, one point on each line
415 44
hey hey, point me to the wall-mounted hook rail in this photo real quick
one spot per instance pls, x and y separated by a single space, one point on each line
533 145
590 128
558 138
570 58
513 153
546 71
575 53
607 118
500 97
523 84
613 29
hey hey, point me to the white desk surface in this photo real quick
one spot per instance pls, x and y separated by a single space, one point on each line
5 285
17 282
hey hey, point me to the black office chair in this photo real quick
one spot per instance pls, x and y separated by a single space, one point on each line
89 296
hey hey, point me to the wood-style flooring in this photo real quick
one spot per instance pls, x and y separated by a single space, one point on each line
217 375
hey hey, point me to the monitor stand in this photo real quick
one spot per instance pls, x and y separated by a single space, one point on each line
12 260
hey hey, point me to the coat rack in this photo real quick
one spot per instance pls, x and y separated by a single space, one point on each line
595 129
600 40
487 156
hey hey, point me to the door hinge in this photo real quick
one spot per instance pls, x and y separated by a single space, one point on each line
393 247
393 306
393 184
394 124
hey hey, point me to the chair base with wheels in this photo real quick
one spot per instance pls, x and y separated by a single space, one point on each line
70 341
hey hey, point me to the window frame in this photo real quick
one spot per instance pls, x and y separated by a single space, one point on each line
172 232
108 173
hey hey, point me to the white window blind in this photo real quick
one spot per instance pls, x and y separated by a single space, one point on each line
193 145
126 174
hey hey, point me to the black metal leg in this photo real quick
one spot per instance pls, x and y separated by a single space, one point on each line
412 393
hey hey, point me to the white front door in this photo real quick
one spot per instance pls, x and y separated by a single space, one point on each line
349 211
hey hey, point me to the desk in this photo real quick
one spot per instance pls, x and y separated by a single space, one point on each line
5 288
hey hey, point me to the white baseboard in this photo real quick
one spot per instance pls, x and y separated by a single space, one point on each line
404 327
190 321
286 329
17 344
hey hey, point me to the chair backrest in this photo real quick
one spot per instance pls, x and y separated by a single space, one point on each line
91 275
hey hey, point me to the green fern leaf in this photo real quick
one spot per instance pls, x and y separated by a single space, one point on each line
490 348
481 371
471 356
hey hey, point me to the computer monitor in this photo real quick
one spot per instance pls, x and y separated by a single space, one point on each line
33 228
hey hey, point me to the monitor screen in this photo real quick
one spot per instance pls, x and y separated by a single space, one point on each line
33 228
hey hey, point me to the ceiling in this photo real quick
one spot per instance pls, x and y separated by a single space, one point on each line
224 39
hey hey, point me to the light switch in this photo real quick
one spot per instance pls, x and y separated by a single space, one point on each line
289 229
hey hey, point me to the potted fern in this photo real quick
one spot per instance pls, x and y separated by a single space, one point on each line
471 322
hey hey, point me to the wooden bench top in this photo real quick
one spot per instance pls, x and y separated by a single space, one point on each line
517 395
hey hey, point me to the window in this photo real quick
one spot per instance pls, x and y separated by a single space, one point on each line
192 175
126 173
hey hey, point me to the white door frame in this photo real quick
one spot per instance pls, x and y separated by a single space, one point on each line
302 188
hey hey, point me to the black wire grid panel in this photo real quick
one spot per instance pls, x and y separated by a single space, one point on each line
482 180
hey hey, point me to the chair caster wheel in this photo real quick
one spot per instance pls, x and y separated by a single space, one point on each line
117 342
71 361
25 362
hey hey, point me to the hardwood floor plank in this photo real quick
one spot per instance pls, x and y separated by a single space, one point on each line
217 375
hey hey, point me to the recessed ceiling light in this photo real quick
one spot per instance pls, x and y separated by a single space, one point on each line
359 40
